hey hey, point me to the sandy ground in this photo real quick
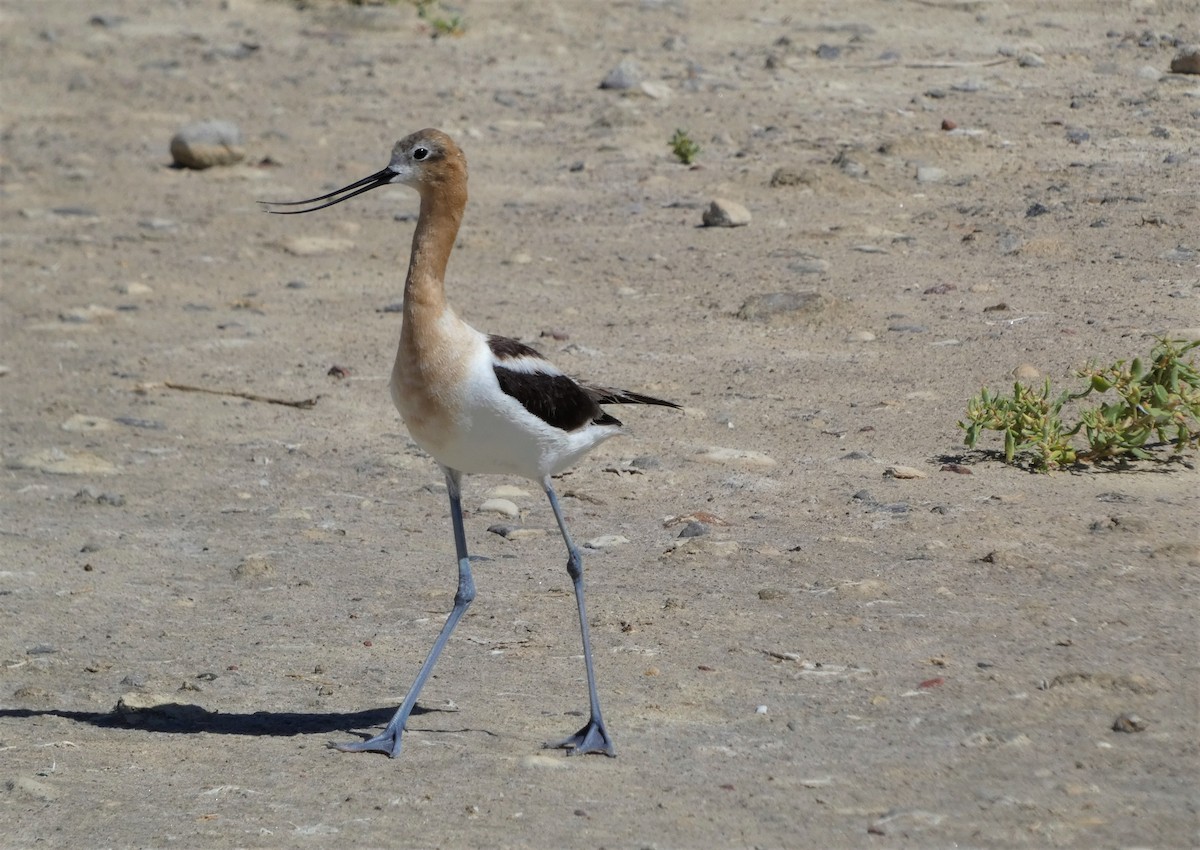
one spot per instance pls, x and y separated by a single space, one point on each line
844 660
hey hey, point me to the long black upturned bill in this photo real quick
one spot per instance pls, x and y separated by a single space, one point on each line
380 178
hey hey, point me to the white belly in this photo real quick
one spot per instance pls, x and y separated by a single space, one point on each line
478 429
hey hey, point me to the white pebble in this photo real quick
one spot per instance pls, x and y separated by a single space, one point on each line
606 541
747 458
500 506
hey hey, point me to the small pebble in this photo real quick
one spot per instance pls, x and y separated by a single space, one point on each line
1129 722
207 143
81 422
851 167
724 213
606 541
135 422
949 124
1026 372
693 529
903 472
655 90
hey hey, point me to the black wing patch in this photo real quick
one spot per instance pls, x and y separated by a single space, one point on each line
555 399
509 349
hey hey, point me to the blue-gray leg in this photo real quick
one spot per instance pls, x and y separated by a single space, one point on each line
388 741
593 737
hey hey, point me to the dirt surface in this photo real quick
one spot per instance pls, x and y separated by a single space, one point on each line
843 660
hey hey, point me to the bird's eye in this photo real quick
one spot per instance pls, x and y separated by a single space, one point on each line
420 153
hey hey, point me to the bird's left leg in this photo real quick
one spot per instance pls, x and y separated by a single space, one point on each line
388 741
593 737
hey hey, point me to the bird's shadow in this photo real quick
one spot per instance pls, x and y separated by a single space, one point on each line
190 719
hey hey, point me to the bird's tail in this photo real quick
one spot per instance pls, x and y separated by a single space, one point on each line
608 395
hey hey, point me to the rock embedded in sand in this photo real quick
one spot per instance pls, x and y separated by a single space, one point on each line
725 213
1187 60
256 567
792 306
207 143
787 175
745 458
931 174
58 462
32 789
313 246
606 541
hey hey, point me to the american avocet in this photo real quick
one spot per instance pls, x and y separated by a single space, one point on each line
478 403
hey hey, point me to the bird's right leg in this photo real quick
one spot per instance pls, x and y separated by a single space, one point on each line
388 741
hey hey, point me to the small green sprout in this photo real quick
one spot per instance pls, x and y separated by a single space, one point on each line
683 147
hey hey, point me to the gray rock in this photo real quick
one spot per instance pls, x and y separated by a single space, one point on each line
625 76
207 143
723 213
